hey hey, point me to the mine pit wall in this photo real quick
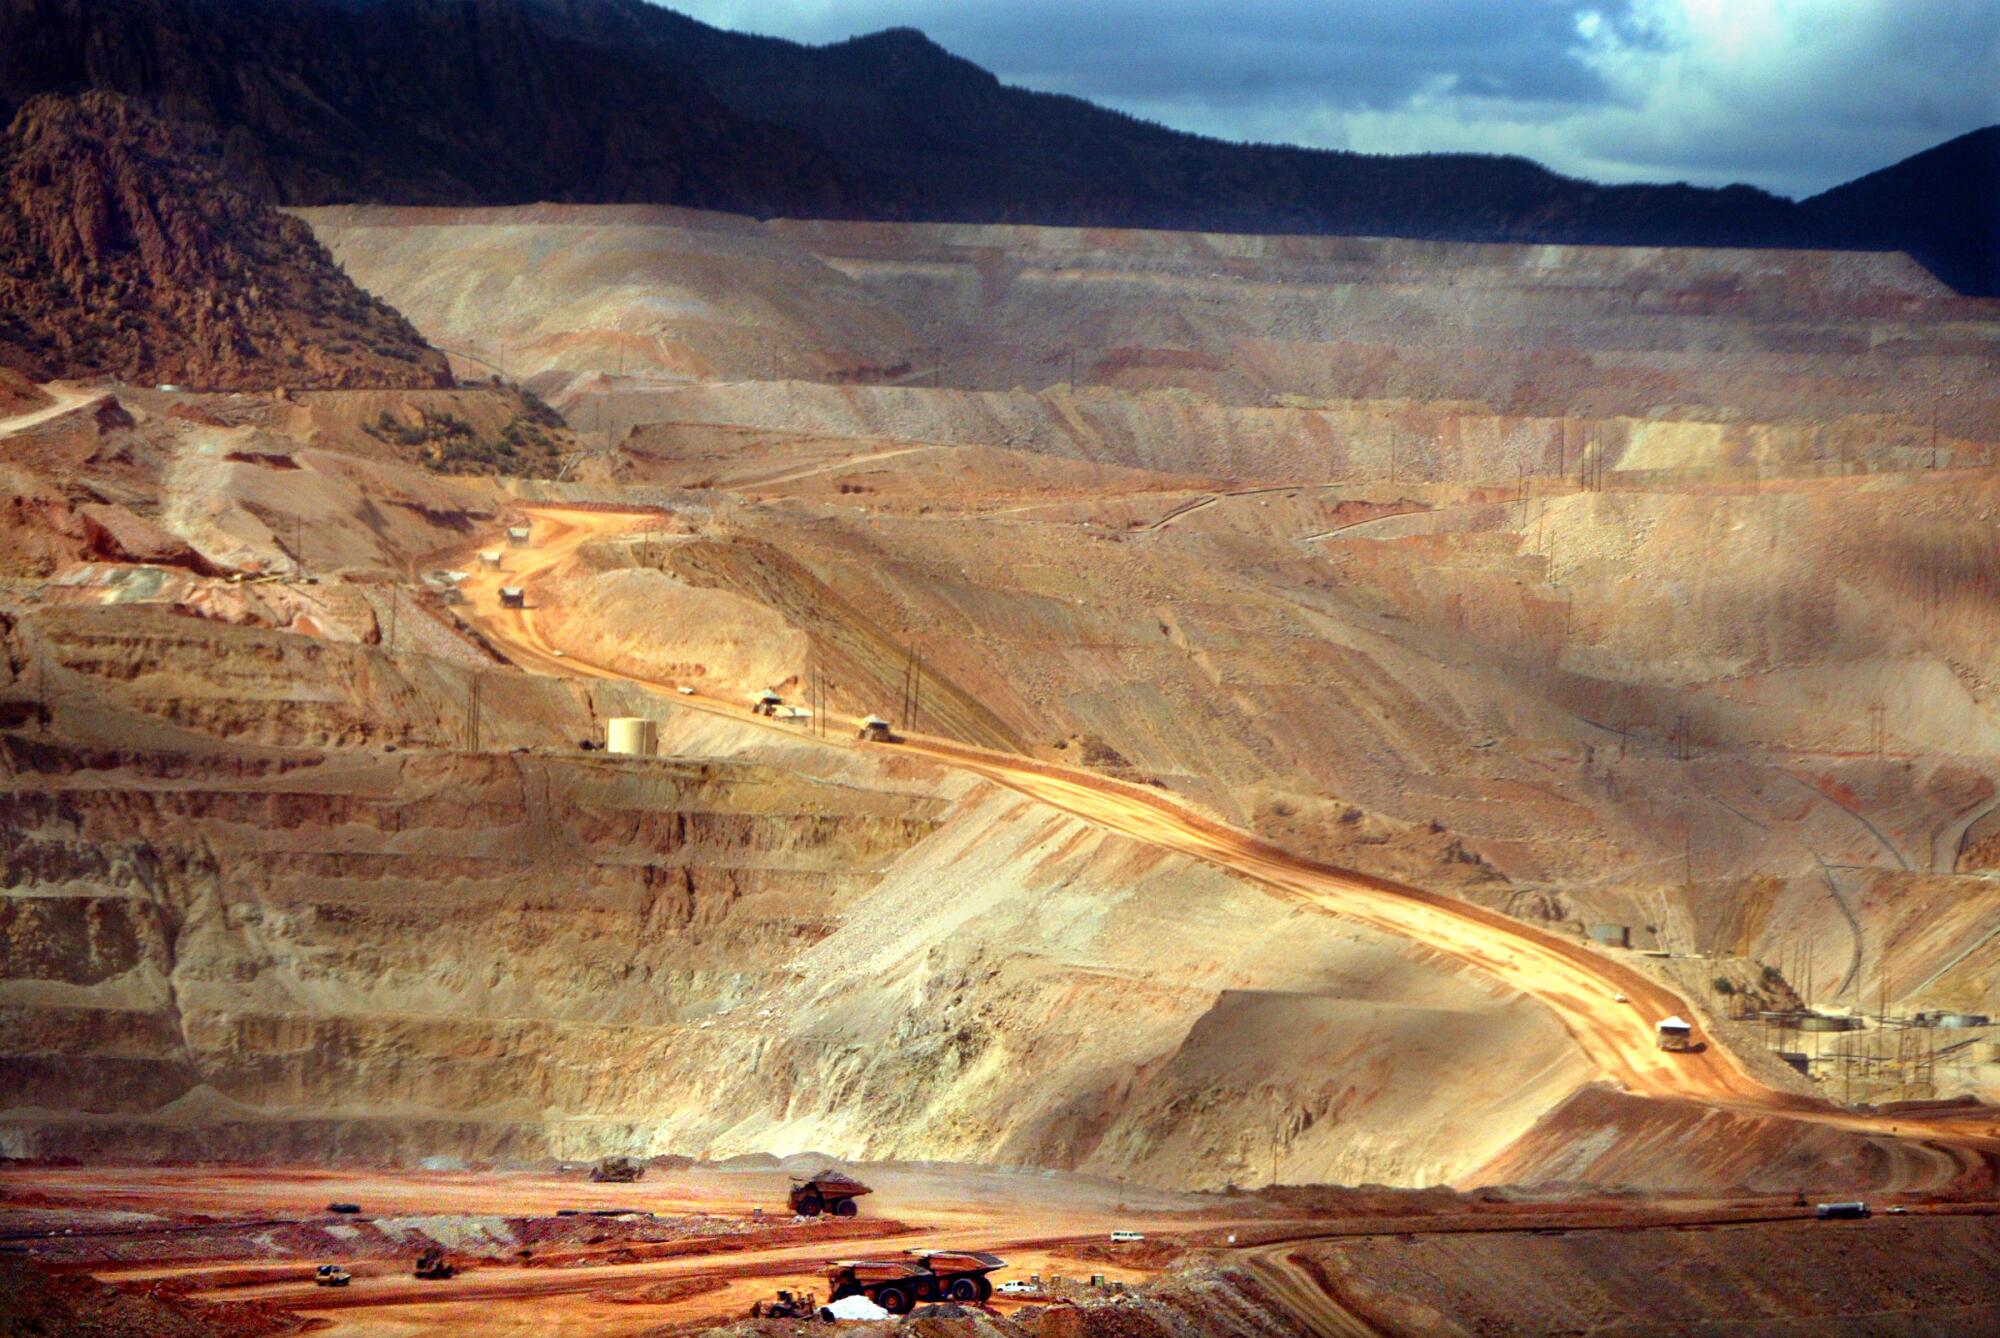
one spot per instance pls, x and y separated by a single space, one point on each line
353 956
1915 1277
1305 442
365 953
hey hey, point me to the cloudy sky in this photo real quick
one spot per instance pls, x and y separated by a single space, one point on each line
1791 95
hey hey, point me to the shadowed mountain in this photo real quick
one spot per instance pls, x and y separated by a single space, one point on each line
1941 205
123 254
511 101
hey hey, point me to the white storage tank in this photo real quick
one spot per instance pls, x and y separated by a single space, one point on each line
632 735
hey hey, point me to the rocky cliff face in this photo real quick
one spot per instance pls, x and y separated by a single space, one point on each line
122 254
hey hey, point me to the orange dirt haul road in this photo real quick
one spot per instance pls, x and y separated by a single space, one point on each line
1581 986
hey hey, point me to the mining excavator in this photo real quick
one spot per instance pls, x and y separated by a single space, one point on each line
432 1266
827 1192
618 1170
898 1284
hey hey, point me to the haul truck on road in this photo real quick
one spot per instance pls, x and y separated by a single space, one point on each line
827 1192
898 1284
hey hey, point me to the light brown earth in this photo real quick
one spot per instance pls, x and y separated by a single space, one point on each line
1294 690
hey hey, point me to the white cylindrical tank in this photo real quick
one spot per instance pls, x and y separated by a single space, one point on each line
632 735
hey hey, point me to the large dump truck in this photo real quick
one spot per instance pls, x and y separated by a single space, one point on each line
900 1283
827 1192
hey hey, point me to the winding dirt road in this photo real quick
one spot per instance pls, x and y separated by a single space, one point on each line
1608 1008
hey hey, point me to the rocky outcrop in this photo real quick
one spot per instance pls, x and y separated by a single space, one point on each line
123 254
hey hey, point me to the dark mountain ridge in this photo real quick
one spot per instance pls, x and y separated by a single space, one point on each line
511 101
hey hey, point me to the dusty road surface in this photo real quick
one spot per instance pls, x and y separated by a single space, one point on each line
1608 1008
66 399
142 1221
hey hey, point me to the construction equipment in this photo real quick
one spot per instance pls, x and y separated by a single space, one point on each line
875 730
765 703
432 1266
1676 1034
827 1192
331 1275
618 1170
1830 1211
898 1284
513 597
789 1305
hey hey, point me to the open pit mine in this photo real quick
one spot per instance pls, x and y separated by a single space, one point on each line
1232 785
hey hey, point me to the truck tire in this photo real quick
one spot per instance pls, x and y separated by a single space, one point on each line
810 1206
985 1288
893 1299
844 1208
962 1289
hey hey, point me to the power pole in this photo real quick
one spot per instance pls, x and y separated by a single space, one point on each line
472 715
393 603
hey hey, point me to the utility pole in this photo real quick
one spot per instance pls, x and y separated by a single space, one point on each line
472 715
299 544
393 603
1072 369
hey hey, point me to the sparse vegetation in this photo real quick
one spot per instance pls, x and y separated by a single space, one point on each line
447 443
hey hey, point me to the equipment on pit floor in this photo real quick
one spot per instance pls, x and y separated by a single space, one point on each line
827 1192
1127 1237
513 597
618 1170
331 1275
343 1207
517 536
875 730
433 1266
1829 1211
765 703
789 1305
898 1284
1676 1034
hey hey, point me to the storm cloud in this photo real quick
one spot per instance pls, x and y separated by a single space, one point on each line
1791 95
